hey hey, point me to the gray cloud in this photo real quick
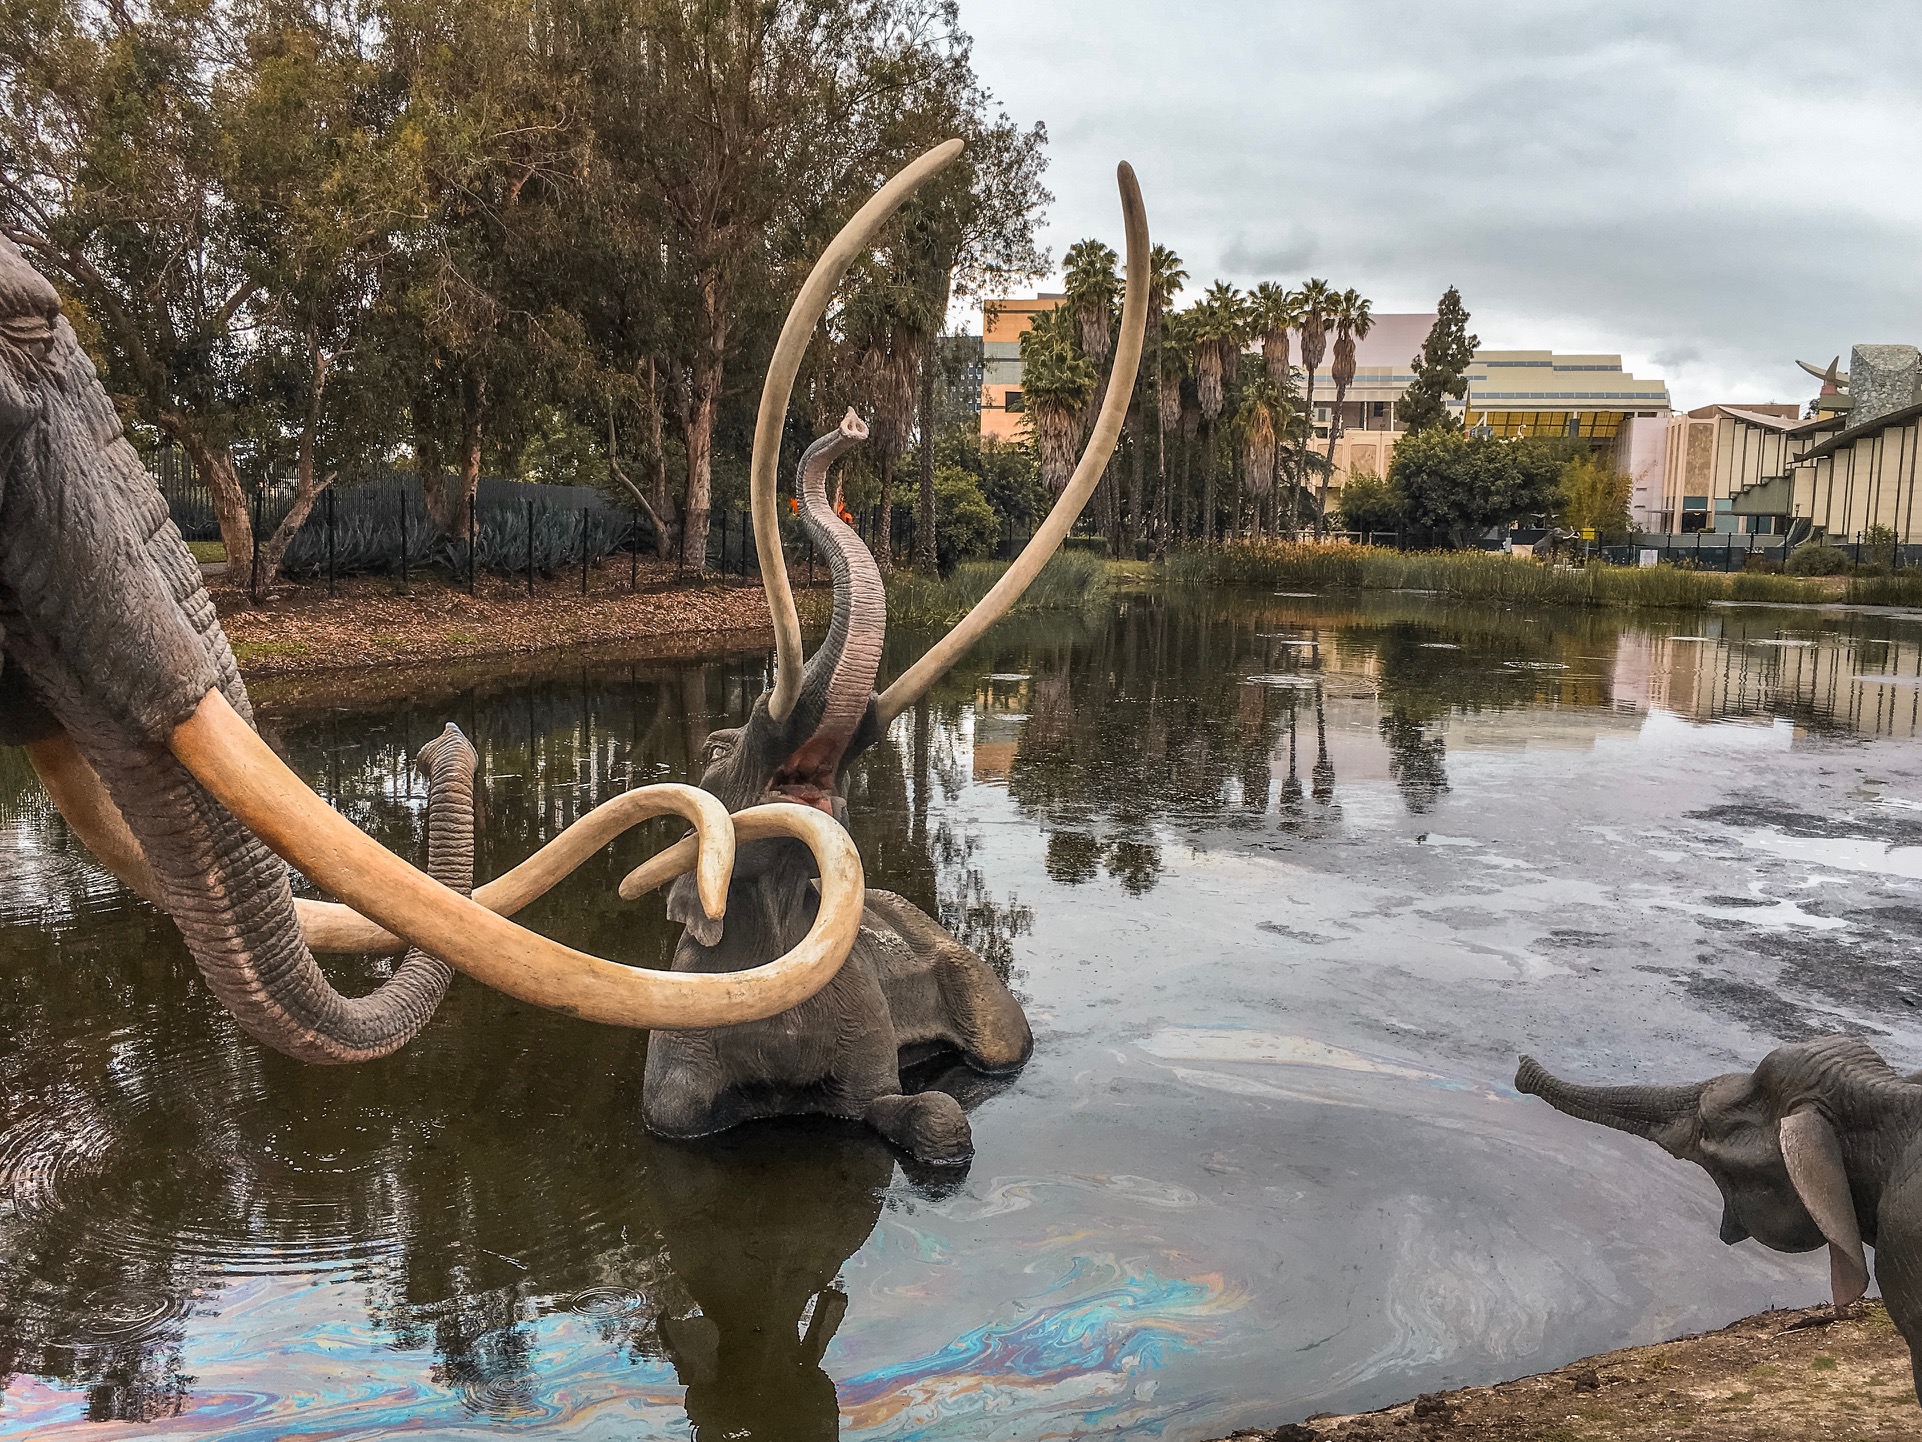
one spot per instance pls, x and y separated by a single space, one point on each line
1709 189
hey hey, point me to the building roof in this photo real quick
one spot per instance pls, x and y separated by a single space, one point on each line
1852 434
1768 420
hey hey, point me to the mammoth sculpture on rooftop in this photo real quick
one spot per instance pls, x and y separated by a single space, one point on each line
117 678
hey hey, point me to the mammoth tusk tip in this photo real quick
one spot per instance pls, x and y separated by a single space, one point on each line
853 427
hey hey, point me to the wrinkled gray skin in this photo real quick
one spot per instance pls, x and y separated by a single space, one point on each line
1851 1123
908 986
109 635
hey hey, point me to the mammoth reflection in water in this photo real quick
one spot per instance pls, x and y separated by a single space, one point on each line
522 1192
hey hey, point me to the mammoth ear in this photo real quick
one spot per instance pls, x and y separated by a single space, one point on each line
1814 1158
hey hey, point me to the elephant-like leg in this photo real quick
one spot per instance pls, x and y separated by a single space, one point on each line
929 1126
1898 1255
967 1006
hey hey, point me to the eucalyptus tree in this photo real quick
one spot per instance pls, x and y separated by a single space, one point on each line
969 233
114 130
1353 315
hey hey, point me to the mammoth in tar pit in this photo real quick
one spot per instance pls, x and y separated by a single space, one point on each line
793 990
908 984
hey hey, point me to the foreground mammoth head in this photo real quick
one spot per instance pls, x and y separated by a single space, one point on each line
117 678
1820 1145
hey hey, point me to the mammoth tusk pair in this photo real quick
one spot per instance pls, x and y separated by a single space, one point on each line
243 774
329 926
802 317
805 314
913 683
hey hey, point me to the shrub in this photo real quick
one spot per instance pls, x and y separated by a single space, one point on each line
1817 558
1475 576
1070 581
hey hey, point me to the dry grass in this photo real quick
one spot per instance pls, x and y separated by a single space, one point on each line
1770 1378
1485 576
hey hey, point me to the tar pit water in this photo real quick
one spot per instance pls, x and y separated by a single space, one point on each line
1285 884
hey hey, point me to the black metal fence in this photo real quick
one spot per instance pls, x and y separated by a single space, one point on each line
381 525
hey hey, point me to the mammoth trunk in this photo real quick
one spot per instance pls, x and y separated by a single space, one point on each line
1657 1114
838 683
232 901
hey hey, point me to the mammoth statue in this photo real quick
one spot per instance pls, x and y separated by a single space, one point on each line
908 985
1820 1145
115 675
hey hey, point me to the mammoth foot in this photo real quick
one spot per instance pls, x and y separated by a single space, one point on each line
929 1126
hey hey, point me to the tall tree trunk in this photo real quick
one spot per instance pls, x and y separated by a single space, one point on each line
307 486
1184 510
1308 409
657 464
926 548
1136 482
1208 484
451 497
883 548
704 389
1334 434
215 463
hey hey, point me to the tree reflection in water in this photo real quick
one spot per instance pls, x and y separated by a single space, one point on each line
491 1172
494 1171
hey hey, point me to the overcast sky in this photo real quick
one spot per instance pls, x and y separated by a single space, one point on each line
1711 189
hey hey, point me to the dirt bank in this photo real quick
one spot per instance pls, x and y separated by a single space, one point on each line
1776 1377
300 630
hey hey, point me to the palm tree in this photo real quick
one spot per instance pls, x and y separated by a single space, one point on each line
1317 299
1220 328
1056 381
1260 419
1093 288
1354 318
1277 310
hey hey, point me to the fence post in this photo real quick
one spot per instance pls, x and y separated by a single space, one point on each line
404 582
634 555
529 500
473 535
330 542
253 568
583 548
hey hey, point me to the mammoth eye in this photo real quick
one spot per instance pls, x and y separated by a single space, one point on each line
717 747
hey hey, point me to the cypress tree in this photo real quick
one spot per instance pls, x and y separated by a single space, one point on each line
1441 368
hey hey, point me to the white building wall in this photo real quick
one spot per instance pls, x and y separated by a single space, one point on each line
1642 451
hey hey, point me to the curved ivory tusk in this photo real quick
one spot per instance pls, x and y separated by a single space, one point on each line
242 773
80 797
914 682
806 312
327 925
757 823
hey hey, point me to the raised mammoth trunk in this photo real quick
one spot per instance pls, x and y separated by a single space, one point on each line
1663 1115
232 900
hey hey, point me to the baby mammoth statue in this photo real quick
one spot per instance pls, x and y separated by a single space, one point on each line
1820 1145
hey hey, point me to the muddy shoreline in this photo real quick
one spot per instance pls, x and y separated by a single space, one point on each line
300 644
1787 1376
